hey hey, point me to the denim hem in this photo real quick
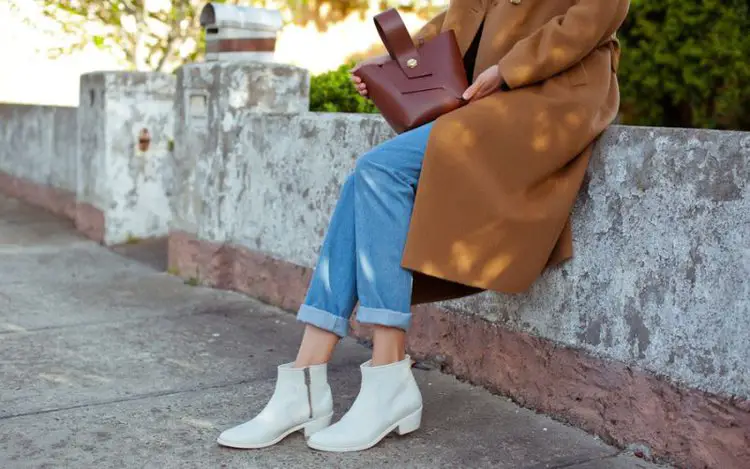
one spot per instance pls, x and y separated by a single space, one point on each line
323 320
383 317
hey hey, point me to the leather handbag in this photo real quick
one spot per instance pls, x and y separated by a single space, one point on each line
418 84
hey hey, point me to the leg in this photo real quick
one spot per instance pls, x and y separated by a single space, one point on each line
332 293
386 183
302 398
389 398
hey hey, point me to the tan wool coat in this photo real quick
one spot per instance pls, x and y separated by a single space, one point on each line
501 174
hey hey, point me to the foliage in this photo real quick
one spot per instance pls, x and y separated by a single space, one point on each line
325 12
685 64
161 35
143 34
333 92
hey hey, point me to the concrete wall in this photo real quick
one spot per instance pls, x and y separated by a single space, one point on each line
127 184
211 105
38 144
662 235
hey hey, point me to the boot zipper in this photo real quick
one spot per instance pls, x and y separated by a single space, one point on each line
308 385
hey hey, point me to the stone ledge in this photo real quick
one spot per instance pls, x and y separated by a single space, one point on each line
623 405
658 229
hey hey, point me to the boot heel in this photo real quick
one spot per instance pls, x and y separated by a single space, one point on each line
318 425
410 423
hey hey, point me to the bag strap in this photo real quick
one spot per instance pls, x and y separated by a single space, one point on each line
399 44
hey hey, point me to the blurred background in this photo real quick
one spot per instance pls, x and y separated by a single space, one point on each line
685 63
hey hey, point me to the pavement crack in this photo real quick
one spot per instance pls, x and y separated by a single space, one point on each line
26 331
570 462
134 398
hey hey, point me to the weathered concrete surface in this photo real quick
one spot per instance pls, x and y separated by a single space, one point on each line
212 98
662 234
126 183
108 363
39 144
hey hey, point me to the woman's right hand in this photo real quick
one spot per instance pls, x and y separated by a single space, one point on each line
358 83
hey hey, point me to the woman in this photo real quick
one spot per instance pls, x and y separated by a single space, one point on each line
497 181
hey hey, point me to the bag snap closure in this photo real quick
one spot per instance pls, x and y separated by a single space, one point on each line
411 63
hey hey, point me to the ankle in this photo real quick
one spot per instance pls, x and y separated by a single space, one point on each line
316 347
389 345
387 359
304 363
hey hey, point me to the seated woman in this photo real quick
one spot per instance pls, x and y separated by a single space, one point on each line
478 200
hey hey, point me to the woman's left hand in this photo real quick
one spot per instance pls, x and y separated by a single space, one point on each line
486 83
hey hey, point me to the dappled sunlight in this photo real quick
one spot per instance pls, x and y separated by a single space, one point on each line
521 73
366 266
496 266
432 268
559 54
454 132
573 120
464 256
542 140
324 272
501 110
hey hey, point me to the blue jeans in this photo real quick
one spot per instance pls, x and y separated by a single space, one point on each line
360 259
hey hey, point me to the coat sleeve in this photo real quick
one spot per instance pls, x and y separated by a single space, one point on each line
562 42
431 29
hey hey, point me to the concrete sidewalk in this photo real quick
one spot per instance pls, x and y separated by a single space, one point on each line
106 362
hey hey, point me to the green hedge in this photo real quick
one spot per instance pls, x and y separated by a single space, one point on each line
333 92
684 64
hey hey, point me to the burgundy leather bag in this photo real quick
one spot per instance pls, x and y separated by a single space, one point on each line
418 84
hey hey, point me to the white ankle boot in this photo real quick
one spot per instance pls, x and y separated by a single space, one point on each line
301 401
388 400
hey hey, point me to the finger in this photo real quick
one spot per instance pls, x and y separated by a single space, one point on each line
482 92
470 91
487 88
356 79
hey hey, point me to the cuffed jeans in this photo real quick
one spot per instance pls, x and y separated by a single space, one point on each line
360 260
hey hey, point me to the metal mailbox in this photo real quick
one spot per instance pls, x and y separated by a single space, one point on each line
240 33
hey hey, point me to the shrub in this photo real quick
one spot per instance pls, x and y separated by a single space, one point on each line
685 63
333 92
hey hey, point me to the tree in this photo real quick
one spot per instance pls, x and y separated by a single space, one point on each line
160 35
684 64
143 34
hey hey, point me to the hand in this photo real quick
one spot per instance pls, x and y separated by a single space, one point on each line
358 84
486 83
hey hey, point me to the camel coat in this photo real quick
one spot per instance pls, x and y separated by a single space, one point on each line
501 174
